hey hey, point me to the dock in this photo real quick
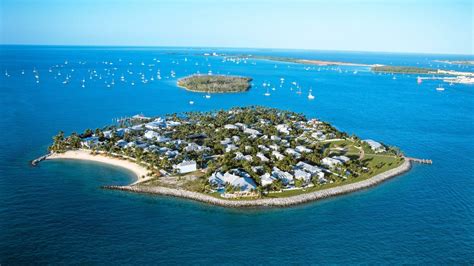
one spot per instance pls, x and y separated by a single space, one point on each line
421 161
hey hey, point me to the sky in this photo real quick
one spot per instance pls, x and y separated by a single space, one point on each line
419 26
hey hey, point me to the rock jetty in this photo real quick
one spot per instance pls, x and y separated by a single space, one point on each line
273 202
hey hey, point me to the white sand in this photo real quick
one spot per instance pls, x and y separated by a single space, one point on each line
138 170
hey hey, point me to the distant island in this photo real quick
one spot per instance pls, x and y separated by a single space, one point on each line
215 83
298 60
404 69
456 62
242 157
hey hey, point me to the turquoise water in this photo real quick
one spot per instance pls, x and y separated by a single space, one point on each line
57 213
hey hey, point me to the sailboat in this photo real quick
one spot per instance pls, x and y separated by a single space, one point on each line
207 96
267 93
299 90
310 96
440 88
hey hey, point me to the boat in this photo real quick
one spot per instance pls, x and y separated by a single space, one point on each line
267 93
440 88
419 80
207 96
310 96
394 77
299 91
191 102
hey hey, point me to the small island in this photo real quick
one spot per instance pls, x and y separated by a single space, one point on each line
242 157
215 83
404 69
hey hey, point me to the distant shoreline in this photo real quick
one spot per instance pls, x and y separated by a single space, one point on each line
141 174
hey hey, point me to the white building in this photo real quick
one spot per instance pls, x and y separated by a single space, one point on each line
285 177
262 157
375 146
244 182
230 126
302 149
185 167
266 179
283 128
303 175
342 158
330 162
150 134
278 155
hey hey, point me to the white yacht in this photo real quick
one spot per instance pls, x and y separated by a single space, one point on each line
310 96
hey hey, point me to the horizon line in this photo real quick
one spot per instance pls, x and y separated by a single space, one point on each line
228 47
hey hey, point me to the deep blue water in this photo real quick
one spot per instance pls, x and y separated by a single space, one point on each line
57 213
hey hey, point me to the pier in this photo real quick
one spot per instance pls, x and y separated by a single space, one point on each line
421 161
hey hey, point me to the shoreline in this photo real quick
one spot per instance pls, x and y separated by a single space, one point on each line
140 173
273 202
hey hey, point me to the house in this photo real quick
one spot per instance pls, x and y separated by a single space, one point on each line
293 153
230 147
252 131
275 138
330 162
283 128
278 155
285 177
302 149
319 135
172 123
266 179
274 147
342 158
235 139
248 158
108 134
230 126
375 146
185 167
121 143
195 147
155 125
308 168
239 156
262 157
303 175
263 148
90 142
226 141
150 134
237 179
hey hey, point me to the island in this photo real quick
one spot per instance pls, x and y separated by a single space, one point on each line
242 157
295 60
215 83
404 69
456 62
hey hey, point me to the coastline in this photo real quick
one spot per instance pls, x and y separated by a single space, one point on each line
214 92
139 171
274 202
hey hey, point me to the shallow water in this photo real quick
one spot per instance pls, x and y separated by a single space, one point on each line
57 213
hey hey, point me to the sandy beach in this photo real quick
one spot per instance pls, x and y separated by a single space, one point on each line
139 171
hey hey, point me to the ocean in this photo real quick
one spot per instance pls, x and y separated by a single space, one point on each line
57 213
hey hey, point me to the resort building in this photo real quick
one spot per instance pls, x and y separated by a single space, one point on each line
185 167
